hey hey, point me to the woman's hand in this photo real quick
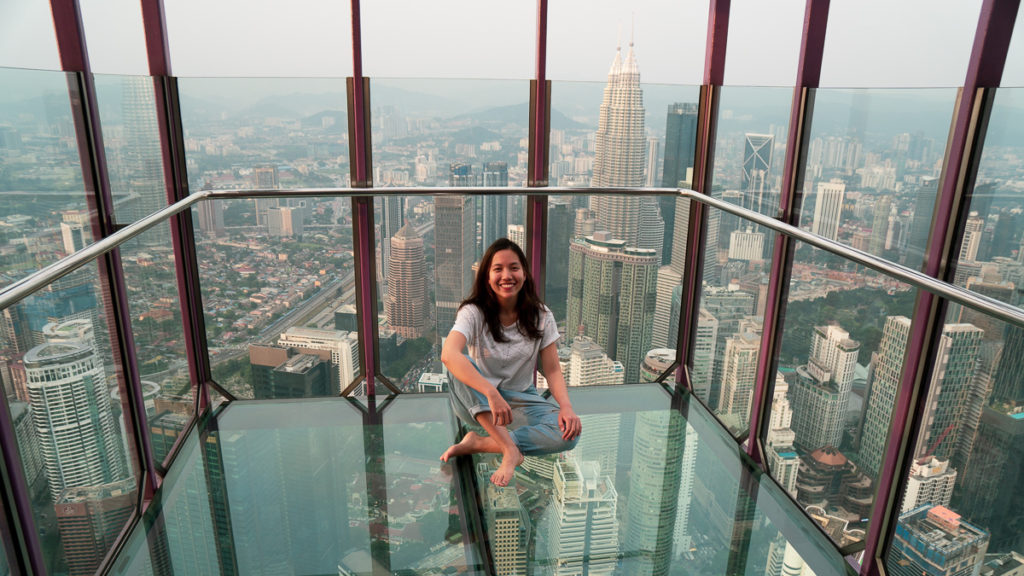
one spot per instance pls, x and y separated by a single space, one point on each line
501 412
569 423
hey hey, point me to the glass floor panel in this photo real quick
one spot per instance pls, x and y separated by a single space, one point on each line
324 486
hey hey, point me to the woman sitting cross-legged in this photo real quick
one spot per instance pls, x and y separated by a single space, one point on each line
506 329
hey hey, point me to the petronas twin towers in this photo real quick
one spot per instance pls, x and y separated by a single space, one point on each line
620 159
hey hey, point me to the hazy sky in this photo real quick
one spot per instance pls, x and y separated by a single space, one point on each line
870 43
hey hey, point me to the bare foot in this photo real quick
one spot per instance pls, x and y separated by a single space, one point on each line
507 470
471 443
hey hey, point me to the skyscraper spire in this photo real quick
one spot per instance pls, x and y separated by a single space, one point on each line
619 159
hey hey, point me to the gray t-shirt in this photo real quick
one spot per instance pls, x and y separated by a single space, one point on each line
507 365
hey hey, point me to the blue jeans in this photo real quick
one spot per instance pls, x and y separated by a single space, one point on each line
534 427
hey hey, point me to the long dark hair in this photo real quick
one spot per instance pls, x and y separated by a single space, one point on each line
528 305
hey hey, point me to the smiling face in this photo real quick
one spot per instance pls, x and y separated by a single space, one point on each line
505 276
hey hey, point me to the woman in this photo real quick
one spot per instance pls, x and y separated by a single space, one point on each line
506 328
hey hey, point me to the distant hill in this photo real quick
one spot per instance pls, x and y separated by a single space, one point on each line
519 114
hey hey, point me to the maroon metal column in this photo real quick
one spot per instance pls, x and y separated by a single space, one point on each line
85 110
176 186
808 73
362 211
540 110
988 57
707 119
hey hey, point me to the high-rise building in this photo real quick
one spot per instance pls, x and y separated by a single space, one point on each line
15 332
782 457
265 178
887 364
455 240
619 149
517 234
495 208
508 526
972 238
583 528
300 376
651 172
828 208
612 291
680 139
656 362
284 222
560 227
77 433
392 220
759 193
142 158
739 374
659 441
90 518
704 347
668 280
590 366
746 245
821 392
28 447
728 306
934 540
407 284
880 226
1007 383
339 347
75 236
211 217
920 226
931 482
991 485
947 407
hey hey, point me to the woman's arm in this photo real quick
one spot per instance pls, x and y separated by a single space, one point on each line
462 369
568 421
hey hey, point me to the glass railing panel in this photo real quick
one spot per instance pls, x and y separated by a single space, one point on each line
910 39
461 133
991 257
962 504
155 307
44 215
64 391
131 139
750 150
264 133
472 39
279 298
582 39
314 487
427 529
873 166
648 490
840 364
752 60
310 39
730 317
1013 71
117 45
27 37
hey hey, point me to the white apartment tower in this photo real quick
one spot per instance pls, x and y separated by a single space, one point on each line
71 414
739 373
590 366
821 391
343 346
931 482
583 529
782 457
828 208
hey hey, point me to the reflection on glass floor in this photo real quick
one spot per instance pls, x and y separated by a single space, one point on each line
325 486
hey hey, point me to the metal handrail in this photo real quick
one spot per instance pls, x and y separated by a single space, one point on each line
19 290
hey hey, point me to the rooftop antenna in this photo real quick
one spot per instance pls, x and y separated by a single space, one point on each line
632 27
618 41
